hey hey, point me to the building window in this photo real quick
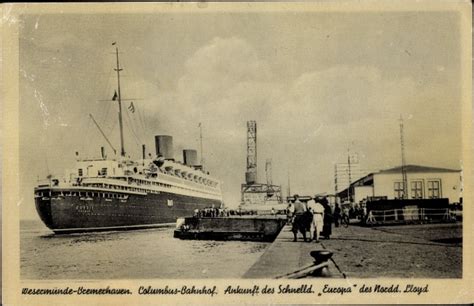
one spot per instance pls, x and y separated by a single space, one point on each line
434 189
79 172
398 188
417 190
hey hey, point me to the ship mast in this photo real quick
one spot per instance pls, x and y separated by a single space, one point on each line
202 152
118 69
403 168
289 184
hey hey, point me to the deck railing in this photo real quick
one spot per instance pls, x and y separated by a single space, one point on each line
410 215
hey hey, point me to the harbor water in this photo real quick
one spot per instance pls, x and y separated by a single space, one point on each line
139 254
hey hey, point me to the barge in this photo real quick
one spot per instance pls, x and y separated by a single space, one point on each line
243 228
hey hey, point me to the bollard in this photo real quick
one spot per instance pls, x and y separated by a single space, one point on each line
319 268
321 258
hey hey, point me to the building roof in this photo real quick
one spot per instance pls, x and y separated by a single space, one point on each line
417 169
367 179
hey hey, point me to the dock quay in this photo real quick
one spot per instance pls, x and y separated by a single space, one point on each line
285 256
419 251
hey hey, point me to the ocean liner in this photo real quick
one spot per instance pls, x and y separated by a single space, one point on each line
121 194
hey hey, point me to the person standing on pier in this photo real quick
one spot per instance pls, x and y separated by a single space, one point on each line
327 219
299 218
337 215
317 224
290 210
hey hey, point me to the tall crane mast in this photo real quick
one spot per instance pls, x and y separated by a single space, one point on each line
404 172
254 193
268 172
251 174
349 174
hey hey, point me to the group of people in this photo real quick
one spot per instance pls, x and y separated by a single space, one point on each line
340 214
314 216
211 212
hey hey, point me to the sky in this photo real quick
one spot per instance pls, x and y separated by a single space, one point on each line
318 84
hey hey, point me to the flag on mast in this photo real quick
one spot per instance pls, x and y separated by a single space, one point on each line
131 107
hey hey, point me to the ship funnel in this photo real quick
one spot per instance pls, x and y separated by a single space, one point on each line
164 146
190 157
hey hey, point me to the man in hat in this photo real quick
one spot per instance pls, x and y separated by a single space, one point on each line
318 212
299 218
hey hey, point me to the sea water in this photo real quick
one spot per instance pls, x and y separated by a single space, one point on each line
138 254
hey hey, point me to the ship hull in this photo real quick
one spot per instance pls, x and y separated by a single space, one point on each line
71 214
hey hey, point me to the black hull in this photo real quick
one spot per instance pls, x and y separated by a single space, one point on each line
72 214
249 228
229 236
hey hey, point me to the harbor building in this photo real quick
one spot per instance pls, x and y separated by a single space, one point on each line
422 183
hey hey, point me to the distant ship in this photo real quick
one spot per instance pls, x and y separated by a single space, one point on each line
122 194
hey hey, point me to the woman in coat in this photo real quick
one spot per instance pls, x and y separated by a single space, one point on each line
327 219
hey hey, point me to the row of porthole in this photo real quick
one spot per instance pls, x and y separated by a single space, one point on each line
178 187
130 188
184 179
117 187
144 190
118 215
87 194
192 190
